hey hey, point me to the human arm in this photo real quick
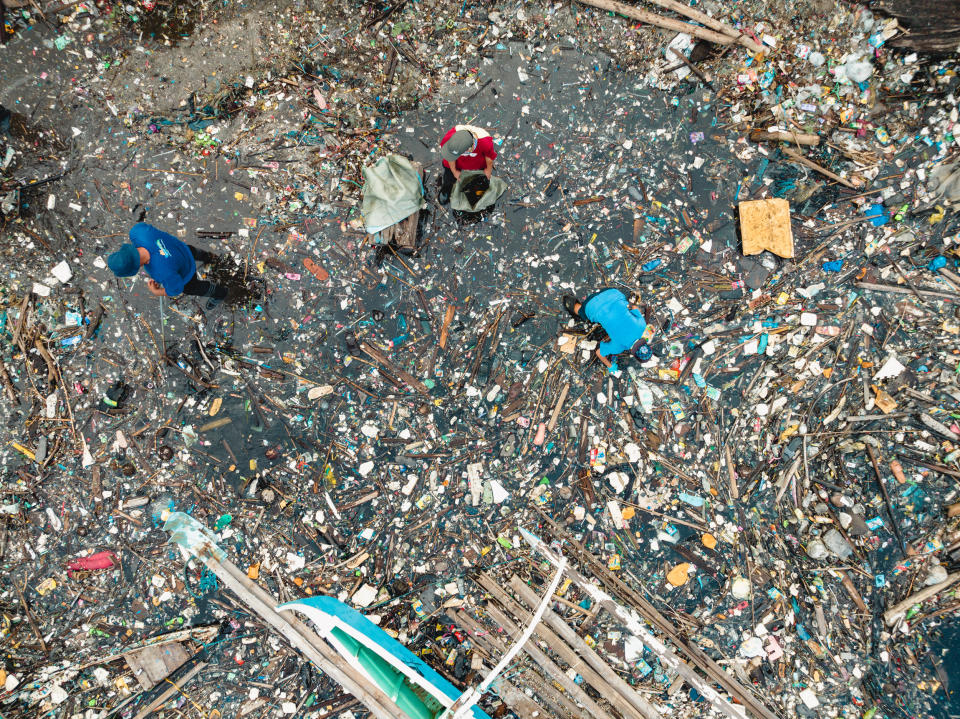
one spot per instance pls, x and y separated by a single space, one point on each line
604 360
486 148
156 289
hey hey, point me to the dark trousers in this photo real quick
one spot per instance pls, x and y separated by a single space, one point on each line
448 181
203 288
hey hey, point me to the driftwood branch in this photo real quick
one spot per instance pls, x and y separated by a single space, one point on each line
797 157
797 138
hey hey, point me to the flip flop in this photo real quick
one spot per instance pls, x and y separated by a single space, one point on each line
316 270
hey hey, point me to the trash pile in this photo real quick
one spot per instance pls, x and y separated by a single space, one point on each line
768 502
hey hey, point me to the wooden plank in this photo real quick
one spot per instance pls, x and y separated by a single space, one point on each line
151 665
401 373
560 626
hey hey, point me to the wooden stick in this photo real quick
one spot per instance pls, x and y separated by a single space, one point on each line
557 407
447 319
852 591
731 472
693 68
33 624
797 157
51 368
886 501
401 373
899 609
722 34
798 138
906 291
7 383
710 22
667 23
21 321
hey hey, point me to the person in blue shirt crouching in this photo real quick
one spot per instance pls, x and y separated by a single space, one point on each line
170 263
625 324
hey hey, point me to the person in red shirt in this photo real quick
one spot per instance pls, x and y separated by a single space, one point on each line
464 147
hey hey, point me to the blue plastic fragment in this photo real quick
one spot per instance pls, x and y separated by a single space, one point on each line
691 499
877 215
834 266
936 263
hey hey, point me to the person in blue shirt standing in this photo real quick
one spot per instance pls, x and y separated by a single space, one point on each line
625 324
170 263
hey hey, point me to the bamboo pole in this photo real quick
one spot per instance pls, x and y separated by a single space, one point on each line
665 654
557 623
635 13
559 704
575 658
300 636
468 699
556 673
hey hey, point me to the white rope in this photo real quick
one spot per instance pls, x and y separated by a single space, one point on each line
465 703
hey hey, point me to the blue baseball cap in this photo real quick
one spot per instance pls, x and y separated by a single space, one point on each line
641 350
125 262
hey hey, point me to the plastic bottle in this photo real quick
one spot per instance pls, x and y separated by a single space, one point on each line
835 542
